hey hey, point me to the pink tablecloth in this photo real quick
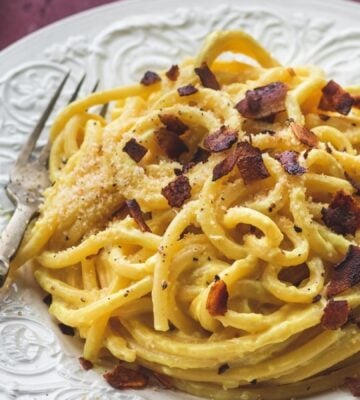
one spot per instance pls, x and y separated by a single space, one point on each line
20 17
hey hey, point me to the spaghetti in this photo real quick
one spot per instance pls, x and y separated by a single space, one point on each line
209 231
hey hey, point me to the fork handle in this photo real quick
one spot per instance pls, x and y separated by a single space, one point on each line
11 237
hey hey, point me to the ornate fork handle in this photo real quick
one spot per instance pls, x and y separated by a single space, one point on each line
12 235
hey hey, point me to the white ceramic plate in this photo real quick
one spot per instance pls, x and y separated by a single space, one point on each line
117 43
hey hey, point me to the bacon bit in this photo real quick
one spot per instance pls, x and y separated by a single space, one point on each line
164 380
187 90
207 77
216 303
353 385
173 123
346 274
177 191
86 364
135 150
137 214
356 101
305 135
336 314
335 98
201 156
221 140
170 143
289 161
66 329
263 101
126 378
225 166
250 163
342 215
150 78
270 119
48 300
355 185
173 72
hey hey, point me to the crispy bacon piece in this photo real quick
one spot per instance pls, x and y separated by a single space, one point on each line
150 78
200 156
187 90
207 77
342 215
250 163
334 98
137 214
354 385
336 314
164 380
264 101
354 184
173 72
289 161
135 150
356 101
86 364
173 123
226 165
304 135
177 191
346 274
126 378
221 140
170 143
216 303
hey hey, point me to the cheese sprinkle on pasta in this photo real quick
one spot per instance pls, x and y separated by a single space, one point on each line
208 230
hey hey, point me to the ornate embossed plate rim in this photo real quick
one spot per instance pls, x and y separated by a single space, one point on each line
15 308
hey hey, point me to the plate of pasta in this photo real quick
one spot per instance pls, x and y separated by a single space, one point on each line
202 239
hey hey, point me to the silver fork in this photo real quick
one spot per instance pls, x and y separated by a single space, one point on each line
28 180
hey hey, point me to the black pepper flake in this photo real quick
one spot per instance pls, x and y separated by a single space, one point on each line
306 153
164 285
216 278
297 229
316 298
223 368
328 148
66 329
195 259
48 300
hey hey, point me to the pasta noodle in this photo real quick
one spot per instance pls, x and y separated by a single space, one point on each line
206 230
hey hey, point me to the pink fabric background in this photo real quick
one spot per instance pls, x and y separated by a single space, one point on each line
20 17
